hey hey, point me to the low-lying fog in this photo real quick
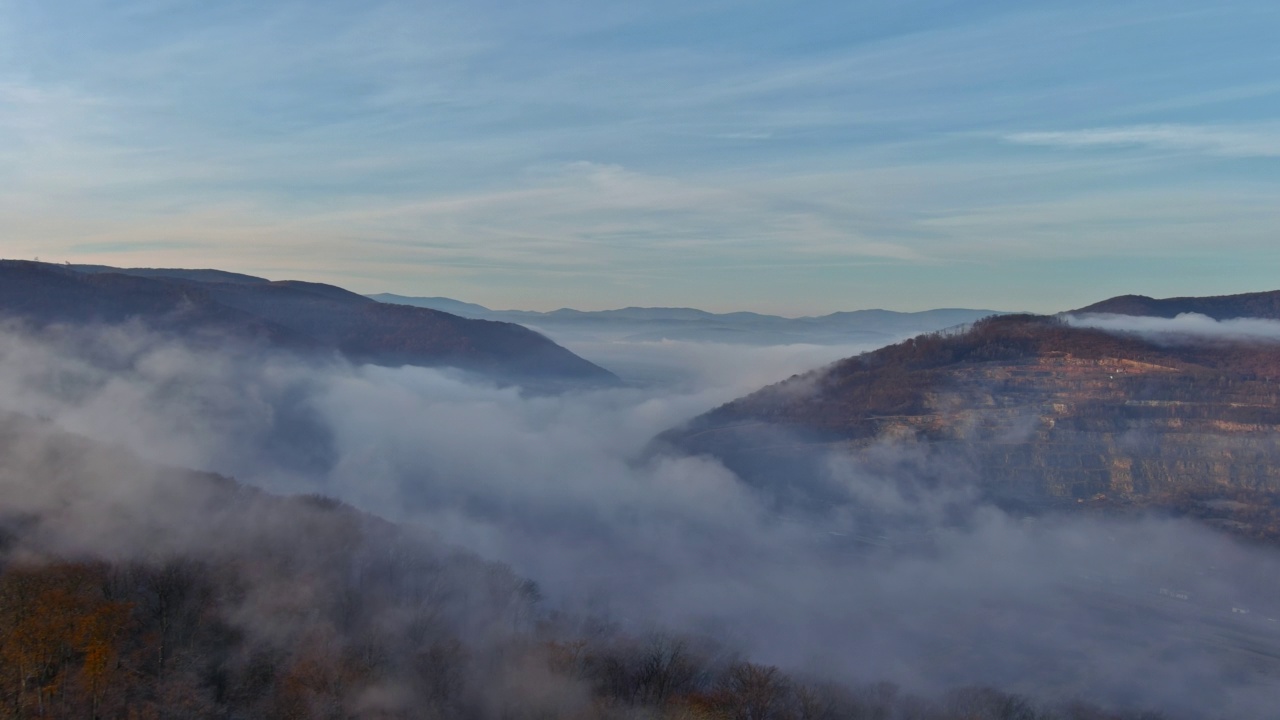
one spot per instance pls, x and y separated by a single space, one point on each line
1144 611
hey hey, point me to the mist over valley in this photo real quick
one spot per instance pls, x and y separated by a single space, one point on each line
696 360
973 519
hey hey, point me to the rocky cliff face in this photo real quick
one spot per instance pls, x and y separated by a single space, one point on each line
1035 414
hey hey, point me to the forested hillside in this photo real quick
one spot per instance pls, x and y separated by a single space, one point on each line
133 591
1038 413
306 318
1219 307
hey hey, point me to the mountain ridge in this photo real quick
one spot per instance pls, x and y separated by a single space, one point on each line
1219 307
295 315
1035 413
665 323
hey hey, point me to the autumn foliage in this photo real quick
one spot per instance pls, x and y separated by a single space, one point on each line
132 642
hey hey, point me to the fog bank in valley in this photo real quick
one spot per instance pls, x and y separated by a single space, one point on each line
564 489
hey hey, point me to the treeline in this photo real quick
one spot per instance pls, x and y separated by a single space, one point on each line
662 677
132 642
190 640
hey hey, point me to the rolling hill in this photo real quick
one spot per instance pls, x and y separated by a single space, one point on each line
1219 307
748 328
297 316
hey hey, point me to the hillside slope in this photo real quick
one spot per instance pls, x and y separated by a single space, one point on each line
299 316
130 590
1036 414
133 590
1219 307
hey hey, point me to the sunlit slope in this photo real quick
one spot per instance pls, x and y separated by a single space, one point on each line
1036 412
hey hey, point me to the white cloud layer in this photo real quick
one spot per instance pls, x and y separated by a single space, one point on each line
1186 327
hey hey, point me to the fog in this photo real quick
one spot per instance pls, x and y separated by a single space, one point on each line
1185 328
567 491
686 367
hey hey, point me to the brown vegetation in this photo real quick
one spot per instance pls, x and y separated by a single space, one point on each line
220 601
128 641
1039 410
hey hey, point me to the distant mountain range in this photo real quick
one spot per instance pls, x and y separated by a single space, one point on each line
293 315
652 324
1035 413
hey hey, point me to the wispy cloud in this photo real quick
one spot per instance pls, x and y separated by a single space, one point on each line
1224 141
712 138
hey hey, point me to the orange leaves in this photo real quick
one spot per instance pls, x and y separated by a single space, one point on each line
56 625
97 635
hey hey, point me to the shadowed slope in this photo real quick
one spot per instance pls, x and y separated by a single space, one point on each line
1221 307
290 314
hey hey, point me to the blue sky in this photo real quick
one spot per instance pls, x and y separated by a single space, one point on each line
789 157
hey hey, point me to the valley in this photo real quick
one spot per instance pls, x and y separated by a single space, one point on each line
973 515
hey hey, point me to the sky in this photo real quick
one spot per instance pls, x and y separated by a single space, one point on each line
784 157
